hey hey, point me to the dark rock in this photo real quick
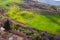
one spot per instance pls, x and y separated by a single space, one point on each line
45 38
53 7
7 25
24 6
57 37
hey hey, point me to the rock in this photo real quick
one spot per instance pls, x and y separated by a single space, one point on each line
57 37
1 10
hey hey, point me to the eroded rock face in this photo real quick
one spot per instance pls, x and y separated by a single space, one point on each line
32 4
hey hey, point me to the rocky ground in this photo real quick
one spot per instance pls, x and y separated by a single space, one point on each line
28 33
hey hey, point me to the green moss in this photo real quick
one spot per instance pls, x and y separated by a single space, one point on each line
41 22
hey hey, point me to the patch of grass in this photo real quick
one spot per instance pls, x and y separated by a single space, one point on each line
4 3
19 15
40 22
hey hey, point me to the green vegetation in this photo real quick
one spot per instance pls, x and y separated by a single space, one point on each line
41 22
3 3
